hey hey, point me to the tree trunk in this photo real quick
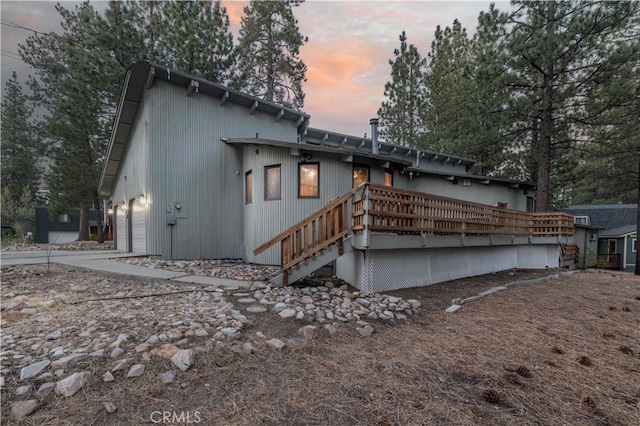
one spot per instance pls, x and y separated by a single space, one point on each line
96 201
637 270
546 125
83 231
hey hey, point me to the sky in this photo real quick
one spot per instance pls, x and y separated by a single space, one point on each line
347 55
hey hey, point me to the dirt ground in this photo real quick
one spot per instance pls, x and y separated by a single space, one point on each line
565 352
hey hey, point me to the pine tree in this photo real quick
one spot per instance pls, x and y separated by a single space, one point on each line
269 48
20 146
487 138
197 39
559 52
451 92
401 114
68 84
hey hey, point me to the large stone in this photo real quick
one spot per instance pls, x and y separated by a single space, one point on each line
365 331
168 377
142 347
67 361
229 331
33 369
276 343
110 407
453 309
136 370
53 336
174 334
308 331
117 352
287 313
46 388
183 359
123 364
21 409
72 384
165 351
23 389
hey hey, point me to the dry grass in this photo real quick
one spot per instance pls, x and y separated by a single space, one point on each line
510 358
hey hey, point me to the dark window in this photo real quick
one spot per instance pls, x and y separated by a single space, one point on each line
248 187
308 180
272 183
388 178
360 175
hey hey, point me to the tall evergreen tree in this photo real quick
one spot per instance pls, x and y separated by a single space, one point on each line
558 53
269 47
20 145
487 135
69 84
451 92
196 39
401 113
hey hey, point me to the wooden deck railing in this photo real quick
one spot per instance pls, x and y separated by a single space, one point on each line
400 211
312 235
378 208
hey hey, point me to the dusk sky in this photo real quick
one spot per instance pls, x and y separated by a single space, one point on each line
347 55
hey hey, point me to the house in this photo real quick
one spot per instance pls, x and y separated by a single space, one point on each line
616 239
197 170
63 228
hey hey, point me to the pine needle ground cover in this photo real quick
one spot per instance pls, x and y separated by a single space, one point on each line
553 353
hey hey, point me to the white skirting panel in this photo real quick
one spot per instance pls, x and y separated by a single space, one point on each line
387 270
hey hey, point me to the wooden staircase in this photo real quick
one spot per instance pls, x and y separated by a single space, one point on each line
313 242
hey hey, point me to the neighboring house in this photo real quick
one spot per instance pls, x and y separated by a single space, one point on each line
197 170
63 228
617 233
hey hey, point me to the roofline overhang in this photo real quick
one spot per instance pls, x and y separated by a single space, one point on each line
314 148
141 76
486 180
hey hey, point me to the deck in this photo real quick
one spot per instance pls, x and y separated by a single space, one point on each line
377 217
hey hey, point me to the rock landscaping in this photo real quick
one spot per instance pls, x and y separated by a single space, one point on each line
62 336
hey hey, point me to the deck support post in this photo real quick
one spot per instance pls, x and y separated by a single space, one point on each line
366 219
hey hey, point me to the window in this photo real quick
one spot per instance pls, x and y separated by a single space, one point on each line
581 220
308 180
64 218
360 175
634 245
388 178
272 182
248 187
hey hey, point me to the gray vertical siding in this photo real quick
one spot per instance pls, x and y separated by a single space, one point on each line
193 167
176 156
265 219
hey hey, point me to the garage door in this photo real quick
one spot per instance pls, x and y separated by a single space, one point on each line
121 228
138 226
